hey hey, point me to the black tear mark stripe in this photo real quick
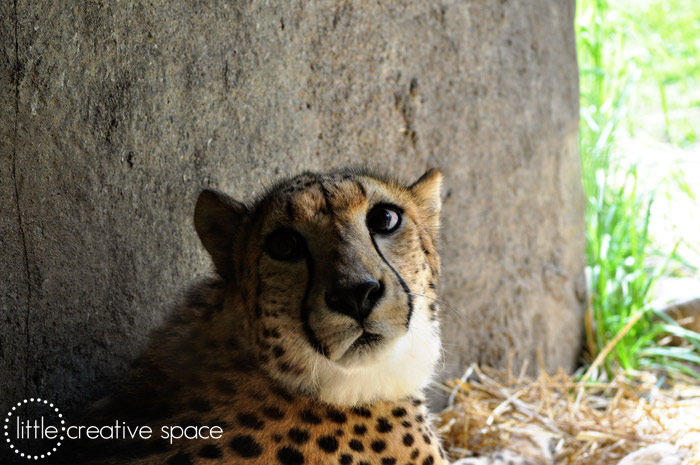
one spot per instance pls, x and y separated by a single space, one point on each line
310 335
401 281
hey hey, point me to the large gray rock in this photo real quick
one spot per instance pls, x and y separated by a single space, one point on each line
115 114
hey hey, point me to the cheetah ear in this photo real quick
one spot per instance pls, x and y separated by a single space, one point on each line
217 218
426 192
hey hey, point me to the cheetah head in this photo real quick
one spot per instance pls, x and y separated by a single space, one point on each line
331 279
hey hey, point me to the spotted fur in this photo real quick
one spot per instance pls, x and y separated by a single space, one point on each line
259 351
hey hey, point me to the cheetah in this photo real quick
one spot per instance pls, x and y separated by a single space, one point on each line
312 345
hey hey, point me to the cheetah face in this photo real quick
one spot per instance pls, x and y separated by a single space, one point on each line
336 273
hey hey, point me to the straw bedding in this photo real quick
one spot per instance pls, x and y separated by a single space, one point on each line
555 419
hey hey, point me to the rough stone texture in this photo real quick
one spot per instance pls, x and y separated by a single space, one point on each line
13 264
115 114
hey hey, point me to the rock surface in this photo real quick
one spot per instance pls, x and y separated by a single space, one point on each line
115 114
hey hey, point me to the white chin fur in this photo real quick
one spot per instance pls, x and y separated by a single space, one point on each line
403 369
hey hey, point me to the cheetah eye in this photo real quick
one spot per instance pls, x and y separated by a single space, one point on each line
383 219
284 245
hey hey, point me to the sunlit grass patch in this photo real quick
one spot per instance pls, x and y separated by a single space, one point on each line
639 63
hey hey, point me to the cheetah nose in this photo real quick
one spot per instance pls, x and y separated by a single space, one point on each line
356 300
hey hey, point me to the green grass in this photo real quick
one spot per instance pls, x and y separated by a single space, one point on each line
636 59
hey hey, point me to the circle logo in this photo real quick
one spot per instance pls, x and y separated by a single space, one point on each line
34 428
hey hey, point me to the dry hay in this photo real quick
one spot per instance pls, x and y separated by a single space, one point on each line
581 423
